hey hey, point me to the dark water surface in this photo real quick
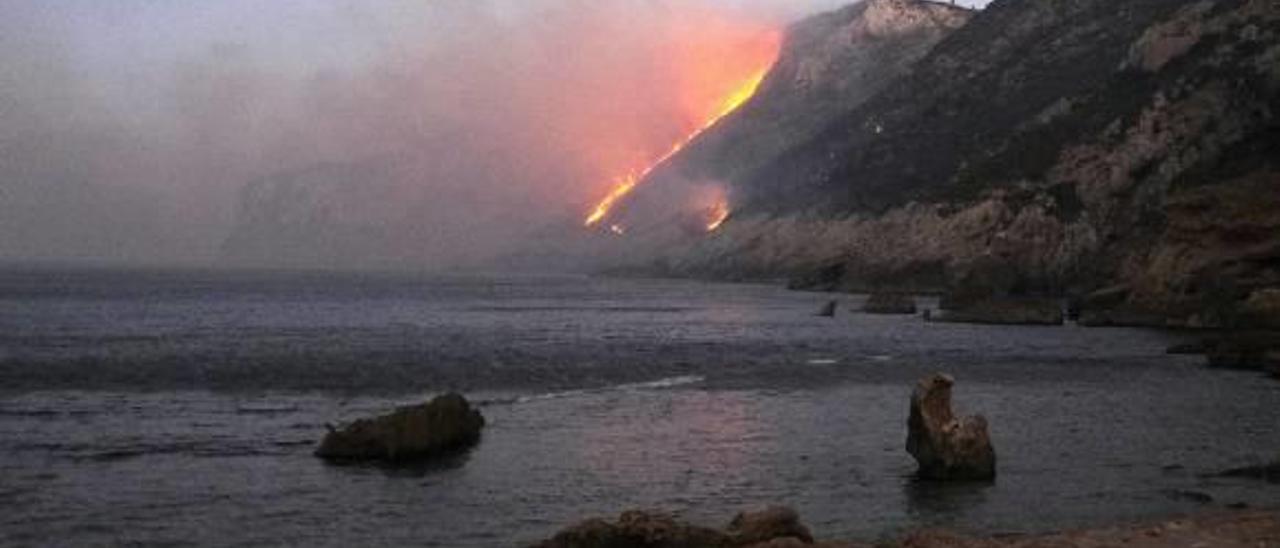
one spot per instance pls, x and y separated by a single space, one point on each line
182 408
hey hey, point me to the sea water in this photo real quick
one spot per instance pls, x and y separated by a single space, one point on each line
182 407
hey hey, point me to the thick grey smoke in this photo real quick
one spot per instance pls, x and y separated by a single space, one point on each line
337 133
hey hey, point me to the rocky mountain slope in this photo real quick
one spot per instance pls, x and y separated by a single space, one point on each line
829 64
1047 147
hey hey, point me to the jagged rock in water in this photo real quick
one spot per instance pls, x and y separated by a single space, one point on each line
828 310
890 303
1005 312
444 425
946 447
775 526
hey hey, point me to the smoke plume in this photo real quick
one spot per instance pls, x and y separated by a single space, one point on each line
339 133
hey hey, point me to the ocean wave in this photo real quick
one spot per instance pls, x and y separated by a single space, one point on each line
669 382
659 384
566 308
110 452
265 409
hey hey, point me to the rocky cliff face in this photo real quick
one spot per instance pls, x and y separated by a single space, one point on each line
1049 147
829 64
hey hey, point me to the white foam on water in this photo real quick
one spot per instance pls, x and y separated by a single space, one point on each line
668 382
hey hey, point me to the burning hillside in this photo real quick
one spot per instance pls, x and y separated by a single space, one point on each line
718 77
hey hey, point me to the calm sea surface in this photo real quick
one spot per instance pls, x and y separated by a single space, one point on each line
181 408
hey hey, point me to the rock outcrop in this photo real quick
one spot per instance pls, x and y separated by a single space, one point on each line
776 522
889 303
947 447
775 526
1262 309
444 425
1216 528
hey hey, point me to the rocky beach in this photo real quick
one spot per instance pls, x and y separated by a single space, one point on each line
780 528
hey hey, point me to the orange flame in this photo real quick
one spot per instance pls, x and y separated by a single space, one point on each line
621 188
719 214
743 91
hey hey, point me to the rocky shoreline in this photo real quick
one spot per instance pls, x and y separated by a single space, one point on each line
951 448
780 527
948 448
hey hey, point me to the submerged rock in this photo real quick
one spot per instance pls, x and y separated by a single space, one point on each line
890 303
1269 473
444 425
775 526
1198 347
1189 495
1005 312
947 448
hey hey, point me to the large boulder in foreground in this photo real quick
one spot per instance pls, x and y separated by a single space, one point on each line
890 303
946 447
775 526
636 529
444 425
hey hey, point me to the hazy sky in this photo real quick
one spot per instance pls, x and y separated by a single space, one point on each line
129 127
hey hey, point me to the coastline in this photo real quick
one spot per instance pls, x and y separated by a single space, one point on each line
1252 528
780 527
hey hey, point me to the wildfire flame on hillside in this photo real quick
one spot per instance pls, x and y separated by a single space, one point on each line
738 89
718 215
